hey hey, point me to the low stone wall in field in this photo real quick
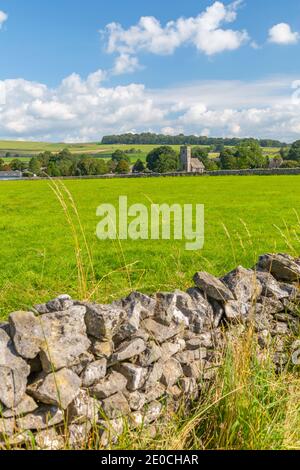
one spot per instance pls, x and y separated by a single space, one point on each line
68 367
259 172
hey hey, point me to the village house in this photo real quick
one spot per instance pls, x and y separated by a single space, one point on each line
10 175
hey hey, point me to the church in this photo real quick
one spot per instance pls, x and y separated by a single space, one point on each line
188 163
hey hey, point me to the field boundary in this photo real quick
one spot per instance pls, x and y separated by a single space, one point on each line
250 172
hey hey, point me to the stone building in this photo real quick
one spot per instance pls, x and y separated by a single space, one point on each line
10 175
275 162
188 163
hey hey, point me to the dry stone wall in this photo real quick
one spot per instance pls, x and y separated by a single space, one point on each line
248 172
68 366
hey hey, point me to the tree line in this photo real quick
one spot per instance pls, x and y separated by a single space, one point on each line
181 139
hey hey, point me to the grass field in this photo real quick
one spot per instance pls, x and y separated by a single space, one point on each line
245 216
46 228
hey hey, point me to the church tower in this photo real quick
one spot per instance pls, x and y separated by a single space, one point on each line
186 158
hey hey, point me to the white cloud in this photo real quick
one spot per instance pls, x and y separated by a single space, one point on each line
3 18
205 32
282 34
125 64
168 130
85 109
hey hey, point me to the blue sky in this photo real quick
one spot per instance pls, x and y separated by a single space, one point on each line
166 78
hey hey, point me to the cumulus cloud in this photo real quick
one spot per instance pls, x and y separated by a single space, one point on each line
125 64
3 18
85 109
282 34
206 32
76 110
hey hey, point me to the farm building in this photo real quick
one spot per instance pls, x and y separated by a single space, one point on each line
10 175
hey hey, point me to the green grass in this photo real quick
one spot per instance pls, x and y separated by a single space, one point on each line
245 217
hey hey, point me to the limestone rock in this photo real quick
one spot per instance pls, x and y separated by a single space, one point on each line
83 408
244 284
154 375
281 328
186 357
136 400
116 406
27 333
78 434
196 308
147 416
13 373
94 372
66 339
296 357
41 309
141 333
155 392
18 439
169 349
102 348
128 350
159 332
54 305
103 321
151 354
82 362
263 322
269 306
270 287
188 385
59 388
112 384
27 405
135 375
147 303
204 339
7 427
203 307
167 311
193 369
293 291
60 303
172 371
110 431
213 287
43 418
282 266
131 323
237 311
49 439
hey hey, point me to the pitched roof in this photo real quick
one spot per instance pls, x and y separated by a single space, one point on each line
197 164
